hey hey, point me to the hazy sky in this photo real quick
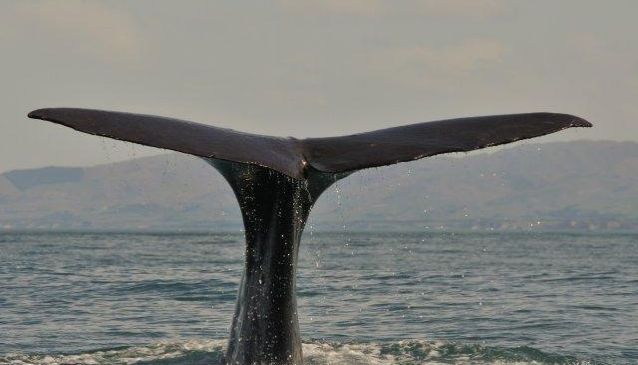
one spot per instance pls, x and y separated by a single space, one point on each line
304 68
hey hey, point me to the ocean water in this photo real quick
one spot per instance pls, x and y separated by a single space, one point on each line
364 298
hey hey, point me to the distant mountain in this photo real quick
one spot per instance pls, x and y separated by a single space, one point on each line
26 179
568 185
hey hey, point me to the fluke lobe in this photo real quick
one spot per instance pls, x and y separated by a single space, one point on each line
277 181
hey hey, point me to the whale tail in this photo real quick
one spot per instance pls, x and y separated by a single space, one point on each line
293 157
276 182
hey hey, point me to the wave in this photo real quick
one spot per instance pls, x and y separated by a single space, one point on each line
409 352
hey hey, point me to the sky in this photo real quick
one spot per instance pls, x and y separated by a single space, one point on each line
309 68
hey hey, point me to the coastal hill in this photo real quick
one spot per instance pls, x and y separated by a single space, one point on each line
589 185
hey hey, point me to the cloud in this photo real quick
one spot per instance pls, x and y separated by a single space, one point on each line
336 7
423 65
79 27
435 8
464 8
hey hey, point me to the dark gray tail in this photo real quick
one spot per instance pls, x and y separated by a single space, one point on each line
276 182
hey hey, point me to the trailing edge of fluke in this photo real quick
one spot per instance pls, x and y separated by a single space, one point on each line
293 157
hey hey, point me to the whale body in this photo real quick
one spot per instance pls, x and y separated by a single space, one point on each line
277 180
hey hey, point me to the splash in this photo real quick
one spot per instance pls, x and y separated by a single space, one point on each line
409 352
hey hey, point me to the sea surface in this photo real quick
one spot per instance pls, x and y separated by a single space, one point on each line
364 298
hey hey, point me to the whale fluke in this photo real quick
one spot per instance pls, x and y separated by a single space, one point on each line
412 142
277 181
292 156
179 135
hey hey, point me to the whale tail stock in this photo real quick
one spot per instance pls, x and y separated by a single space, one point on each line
292 157
276 182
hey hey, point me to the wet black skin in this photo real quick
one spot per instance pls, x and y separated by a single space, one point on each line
274 207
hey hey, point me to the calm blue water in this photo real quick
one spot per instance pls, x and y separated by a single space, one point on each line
373 298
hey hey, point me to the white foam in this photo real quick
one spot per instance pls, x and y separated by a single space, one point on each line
411 352
127 356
